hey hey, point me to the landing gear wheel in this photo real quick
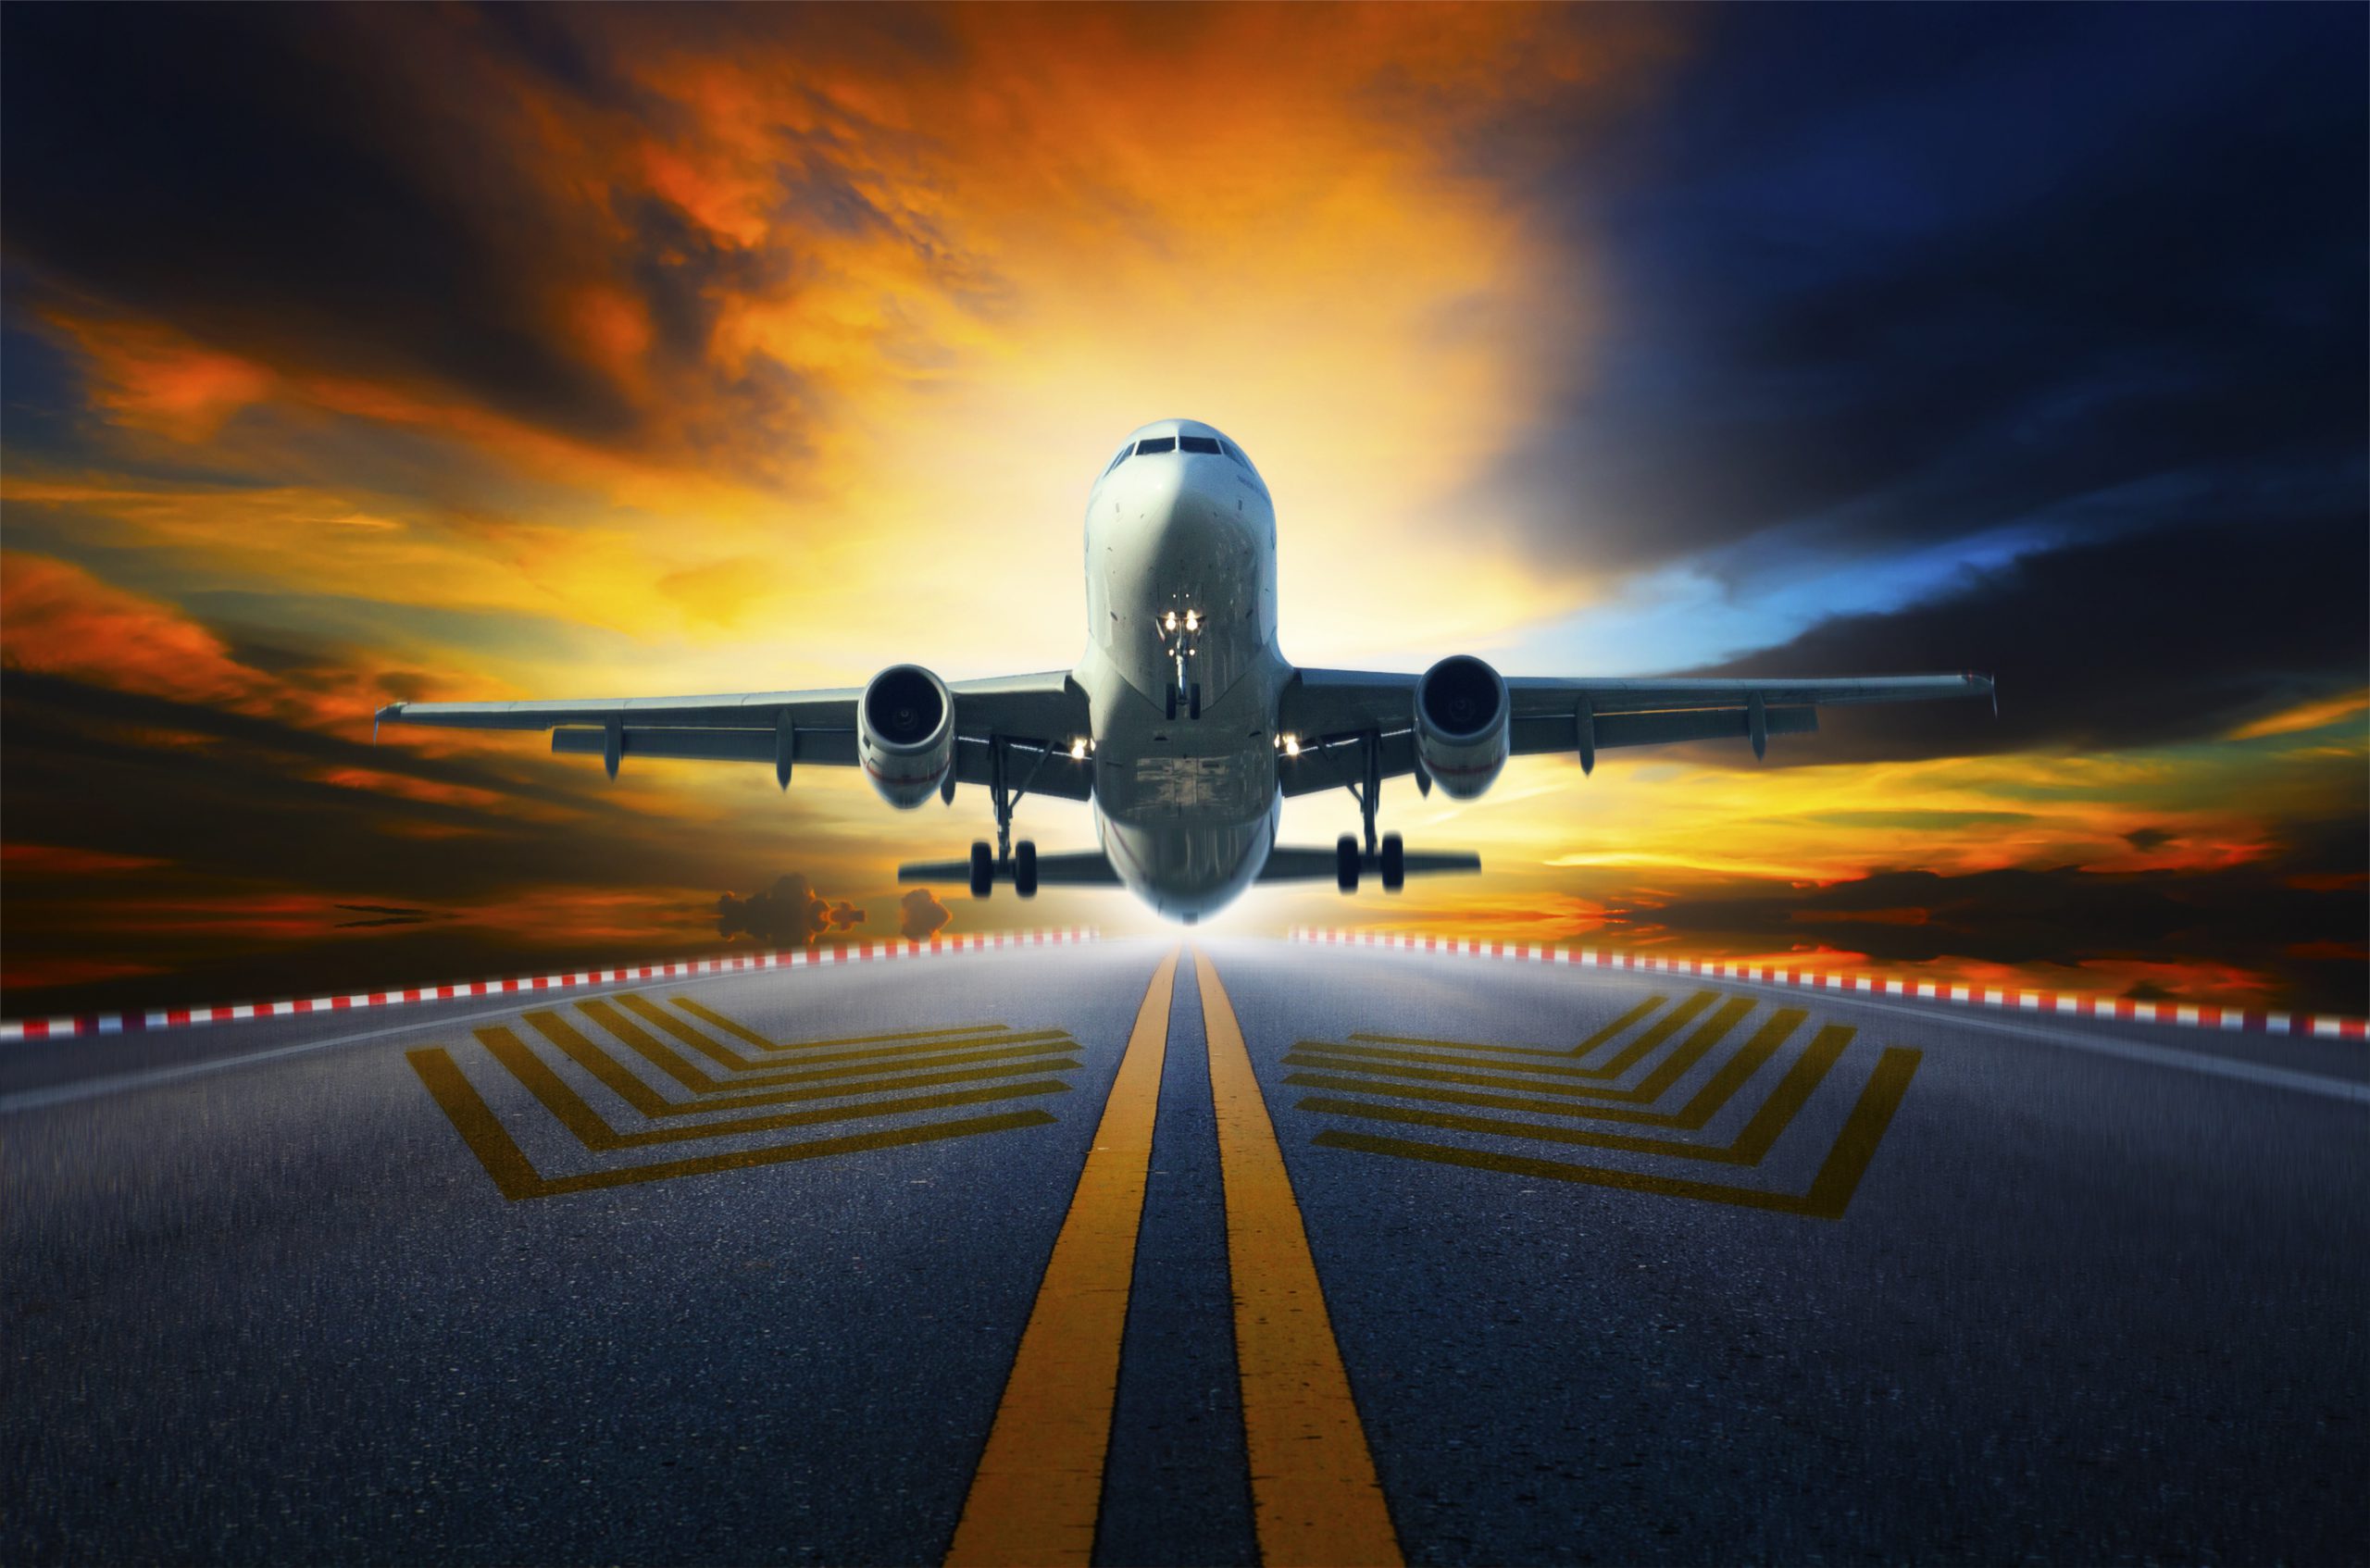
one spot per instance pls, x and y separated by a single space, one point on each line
1345 864
983 869
1024 868
1394 863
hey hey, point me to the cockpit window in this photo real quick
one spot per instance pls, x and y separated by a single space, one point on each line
1157 443
1125 453
1199 443
1236 454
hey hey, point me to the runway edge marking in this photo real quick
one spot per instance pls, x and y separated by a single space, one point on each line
80 1025
1316 1498
2062 1005
1037 1494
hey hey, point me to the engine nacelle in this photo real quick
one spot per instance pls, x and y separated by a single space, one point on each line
905 734
1461 730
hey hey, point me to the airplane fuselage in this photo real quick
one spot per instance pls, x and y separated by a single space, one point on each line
1181 669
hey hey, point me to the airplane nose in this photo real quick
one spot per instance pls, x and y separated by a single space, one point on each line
1185 510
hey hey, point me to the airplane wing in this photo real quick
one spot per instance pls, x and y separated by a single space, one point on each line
1336 715
1030 718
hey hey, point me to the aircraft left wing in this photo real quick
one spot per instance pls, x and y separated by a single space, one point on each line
1028 719
1335 715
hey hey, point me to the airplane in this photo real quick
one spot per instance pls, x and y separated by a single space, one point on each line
1183 726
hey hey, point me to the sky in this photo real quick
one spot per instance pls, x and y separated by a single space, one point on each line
354 355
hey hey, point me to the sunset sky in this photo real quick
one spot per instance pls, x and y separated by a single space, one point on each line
355 354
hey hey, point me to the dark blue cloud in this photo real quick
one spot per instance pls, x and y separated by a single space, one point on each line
1878 276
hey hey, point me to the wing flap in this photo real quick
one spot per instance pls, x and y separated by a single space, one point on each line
1540 733
1341 760
828 748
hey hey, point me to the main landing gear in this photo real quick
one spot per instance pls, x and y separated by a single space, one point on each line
1019 861
1022 865
1391 862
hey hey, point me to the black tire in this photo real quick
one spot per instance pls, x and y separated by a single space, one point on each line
1394 863
1024 868
983 869
1345 864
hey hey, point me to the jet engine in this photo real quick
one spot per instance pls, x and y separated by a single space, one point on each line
905 734
1461 732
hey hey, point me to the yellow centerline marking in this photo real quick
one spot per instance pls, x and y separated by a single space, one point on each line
1039 1482
1313 1494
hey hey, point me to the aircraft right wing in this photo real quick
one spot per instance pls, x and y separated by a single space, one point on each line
1030 719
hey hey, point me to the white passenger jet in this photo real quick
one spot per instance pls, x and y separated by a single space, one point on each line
1184 725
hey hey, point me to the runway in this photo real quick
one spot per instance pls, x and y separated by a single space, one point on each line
1142 1252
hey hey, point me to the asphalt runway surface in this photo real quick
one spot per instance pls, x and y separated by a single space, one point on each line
1377 1256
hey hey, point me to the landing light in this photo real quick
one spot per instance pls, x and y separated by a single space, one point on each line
1171 622
1078 750
1192 621
1291 745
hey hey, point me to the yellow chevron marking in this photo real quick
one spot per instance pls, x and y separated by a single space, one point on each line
1831 1191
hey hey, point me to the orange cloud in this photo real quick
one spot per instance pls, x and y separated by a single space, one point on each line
149 377
2308 716
58 619
58 860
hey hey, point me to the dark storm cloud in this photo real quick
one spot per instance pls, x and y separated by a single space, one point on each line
1885 275
444 201
213 790
309 185
246 841
2146 637
2279 917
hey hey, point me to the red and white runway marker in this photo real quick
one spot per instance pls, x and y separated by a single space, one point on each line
2062 1005
854 953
